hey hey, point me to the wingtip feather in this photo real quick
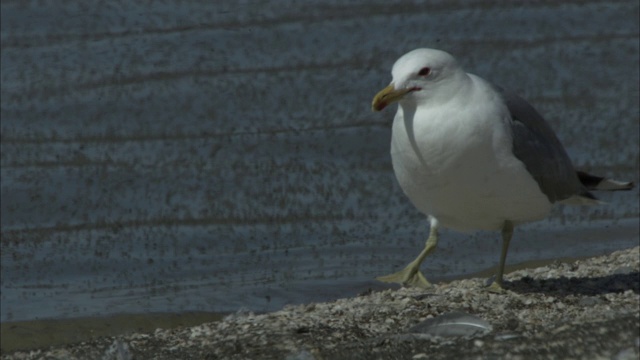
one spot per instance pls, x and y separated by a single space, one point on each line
593 182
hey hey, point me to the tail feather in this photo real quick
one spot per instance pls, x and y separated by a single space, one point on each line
593 182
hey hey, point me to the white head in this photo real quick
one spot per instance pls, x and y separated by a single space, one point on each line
420 75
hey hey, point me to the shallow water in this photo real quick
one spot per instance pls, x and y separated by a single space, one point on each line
198 157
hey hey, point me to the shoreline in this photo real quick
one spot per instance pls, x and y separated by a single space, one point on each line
585 308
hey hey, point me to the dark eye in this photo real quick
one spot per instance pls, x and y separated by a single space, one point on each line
424 71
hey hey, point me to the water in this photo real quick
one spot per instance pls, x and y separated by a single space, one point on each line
210 157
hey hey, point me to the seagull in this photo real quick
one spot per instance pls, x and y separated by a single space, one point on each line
472 156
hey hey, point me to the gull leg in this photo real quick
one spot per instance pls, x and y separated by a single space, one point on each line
507 233
411 275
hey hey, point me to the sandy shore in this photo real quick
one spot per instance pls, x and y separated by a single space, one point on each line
582 309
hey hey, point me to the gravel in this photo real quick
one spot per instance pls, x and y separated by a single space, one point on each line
585 309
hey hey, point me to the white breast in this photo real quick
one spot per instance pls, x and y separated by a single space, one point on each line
457 165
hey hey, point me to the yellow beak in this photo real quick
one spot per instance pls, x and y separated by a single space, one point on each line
386 96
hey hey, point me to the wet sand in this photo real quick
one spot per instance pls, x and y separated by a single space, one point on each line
587 308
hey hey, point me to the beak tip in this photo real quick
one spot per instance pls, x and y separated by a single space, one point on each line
385 97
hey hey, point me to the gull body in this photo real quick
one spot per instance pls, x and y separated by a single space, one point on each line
472 156
454 161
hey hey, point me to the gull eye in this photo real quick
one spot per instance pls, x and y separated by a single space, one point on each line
424 71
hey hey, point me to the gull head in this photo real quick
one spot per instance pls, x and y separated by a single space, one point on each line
418 76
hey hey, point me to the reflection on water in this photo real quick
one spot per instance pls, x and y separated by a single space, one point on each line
212 157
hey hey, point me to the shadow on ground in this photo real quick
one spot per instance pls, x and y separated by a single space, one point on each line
585 286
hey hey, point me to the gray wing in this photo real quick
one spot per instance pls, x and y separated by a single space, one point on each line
538 147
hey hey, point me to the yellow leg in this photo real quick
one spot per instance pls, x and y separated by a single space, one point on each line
507 233
411 275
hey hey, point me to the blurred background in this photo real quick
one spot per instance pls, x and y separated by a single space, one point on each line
179 156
